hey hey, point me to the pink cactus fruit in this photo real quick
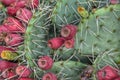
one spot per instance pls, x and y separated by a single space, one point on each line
23 71
114 1
13 25
6 65
32 3
9 74
49 76
68 31
69 43
13 39
11 10
7 2
25 78
118 78
14 7
1 78
19 3
56 43
24 14
107 73
3 32
45 62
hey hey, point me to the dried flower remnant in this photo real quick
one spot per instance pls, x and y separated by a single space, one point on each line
49 76
107 73
45 62
23 71
68 31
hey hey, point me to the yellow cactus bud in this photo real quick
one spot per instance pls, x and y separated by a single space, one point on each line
82 11
8 55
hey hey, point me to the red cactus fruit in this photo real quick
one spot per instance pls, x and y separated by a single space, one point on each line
3 32
69 43
19 3
13 39
23 71
118 78
68 31
45 62
56 43
6 65
12 10
1 78
114 1
49 76
14 7
32 3
5 48
24 14
8 74
7 2
107 73
13 25
25 78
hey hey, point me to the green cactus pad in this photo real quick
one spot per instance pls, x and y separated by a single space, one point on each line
100 32
68 70
2 13
35 43
65 11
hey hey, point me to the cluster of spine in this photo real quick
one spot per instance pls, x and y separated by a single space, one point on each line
60 39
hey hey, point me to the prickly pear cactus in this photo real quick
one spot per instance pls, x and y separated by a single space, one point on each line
65 11
96 41
99 32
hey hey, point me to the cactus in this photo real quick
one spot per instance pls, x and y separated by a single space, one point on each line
2 13
35 37
65 11
94 39
96 34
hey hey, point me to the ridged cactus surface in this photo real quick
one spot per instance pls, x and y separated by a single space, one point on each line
59 40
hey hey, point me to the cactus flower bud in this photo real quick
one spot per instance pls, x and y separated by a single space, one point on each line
49 76
23 71
24 14
2 48
13 39
56 43
13 25
68 31
107 73
82 11
69 43
8 55
45 62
